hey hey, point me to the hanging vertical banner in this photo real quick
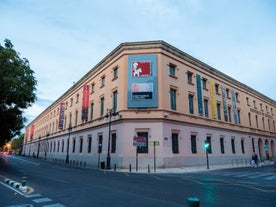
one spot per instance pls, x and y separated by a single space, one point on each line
85 103
234 102
26 134
32 131
61 115
199 95
224 102
213 99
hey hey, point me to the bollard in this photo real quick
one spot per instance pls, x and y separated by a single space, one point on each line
24 180
193 202
115 167
148 168
129 167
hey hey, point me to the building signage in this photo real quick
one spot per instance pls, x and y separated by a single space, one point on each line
139 141
85 103
260 113
142 81
61 116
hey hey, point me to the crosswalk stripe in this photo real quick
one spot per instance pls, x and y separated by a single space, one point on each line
244 175
54 205
32 195
261 175
271 177
41 200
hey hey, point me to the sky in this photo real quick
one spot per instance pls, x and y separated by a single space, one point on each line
64 39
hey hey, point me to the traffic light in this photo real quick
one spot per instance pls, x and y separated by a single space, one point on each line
207 145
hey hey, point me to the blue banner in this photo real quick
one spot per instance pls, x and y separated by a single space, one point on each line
234 102
199 95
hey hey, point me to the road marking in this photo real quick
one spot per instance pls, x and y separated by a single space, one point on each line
54 205
32 195
261 175
12 188
41 200
157 178
245 174
270 178
34 163
62 181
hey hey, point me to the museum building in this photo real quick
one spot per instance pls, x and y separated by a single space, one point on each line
148 103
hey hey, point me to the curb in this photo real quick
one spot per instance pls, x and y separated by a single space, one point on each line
16 185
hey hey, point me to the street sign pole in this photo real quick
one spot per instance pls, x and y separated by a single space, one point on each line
154 154
136 158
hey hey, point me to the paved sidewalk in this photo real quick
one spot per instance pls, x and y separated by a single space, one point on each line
188 169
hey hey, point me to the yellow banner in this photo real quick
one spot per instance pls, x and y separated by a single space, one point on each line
213 99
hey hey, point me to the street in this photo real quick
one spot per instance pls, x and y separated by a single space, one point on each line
52 185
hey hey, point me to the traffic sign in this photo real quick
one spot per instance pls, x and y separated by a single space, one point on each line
157 143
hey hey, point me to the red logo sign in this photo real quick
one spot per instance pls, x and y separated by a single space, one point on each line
141 68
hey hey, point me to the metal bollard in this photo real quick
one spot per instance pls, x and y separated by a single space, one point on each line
148 168
115 167
129 167
193 202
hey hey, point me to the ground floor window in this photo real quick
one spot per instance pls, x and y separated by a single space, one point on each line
233 145
193 144
242 145
143 149
210 144
113 142
175 147
222 145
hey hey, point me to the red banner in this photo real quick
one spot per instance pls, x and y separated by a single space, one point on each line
32 131
141 68
61 116
26 134
85 102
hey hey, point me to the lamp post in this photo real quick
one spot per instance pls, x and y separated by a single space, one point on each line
68 142
38 148
110 113
46 150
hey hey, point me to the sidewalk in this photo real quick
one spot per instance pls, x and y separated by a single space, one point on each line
189 169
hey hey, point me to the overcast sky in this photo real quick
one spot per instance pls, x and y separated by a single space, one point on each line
64 39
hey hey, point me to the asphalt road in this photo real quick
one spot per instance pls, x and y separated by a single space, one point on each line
52 185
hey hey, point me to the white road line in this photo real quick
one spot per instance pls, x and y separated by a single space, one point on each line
41 200
32 195
245 174
12 188
261 175
270 178
54 205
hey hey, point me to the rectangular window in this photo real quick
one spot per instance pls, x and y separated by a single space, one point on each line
74 146
92 87
100 143
222 145
113 142
217 88
91 111
249 119
103 81
191 104
193 144
210 144
102 106
115 73
190 77
62 146
89 144
204 83
218 111
173 99
206 112
253 145
175 147
81 144
143 149
233 145
115 101
257 124
229 114
242 146
172 70
76 118
58 146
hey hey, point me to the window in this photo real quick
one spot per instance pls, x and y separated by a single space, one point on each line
77 98
102 106
103 81
115 73
217 88
190 77
173 99
76 118
210 144
89 143
242 146
229 114
233 145
218 111
175 148
113 142
239 116
115 100
253 145
254 104
81 144
100 143
191 104
71 102
206 112
268 122
143 149
257 124
261 106
227 93
247 101
58 146
62 146
222 145
263 122
92 87
249 119
193 144
92 111
172 70
74 146
237 97
204 83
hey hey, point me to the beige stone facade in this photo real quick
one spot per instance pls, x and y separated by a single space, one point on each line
174 101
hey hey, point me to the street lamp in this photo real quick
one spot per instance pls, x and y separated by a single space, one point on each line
46 150
38 148
207 149
67 154
110 113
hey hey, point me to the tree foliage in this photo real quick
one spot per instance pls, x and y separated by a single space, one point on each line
17 143
17 91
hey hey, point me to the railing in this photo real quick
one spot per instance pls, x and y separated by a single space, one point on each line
240 162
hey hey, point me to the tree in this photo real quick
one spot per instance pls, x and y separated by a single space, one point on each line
17 143
17 91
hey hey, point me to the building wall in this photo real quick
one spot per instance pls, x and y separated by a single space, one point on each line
161 122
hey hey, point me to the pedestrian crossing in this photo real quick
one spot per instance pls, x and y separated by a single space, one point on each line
247 174
44 201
